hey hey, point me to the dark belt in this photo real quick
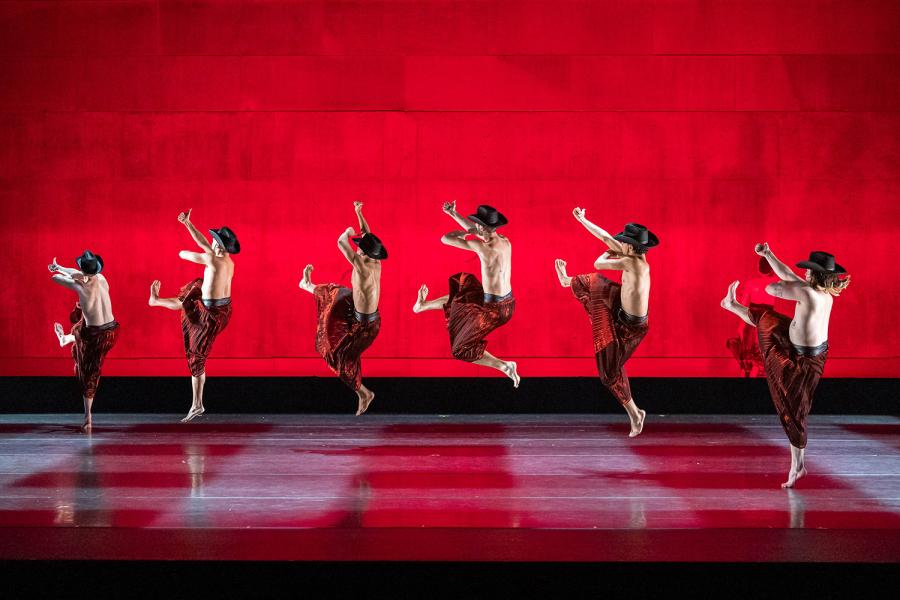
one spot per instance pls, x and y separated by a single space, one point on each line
104 327
213 302
488 298
630 319
366 317
811 350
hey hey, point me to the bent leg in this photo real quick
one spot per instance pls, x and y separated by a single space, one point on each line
636 416
365 396
422 304
197 409
798 468
306 282
507 367
64 338
155 300
730 304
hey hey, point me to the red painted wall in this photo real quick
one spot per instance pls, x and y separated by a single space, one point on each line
718 124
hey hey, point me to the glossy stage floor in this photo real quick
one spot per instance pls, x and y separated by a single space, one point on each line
473 488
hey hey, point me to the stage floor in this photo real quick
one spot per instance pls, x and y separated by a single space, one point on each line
474 488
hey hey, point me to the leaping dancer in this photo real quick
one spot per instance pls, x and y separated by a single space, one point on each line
794 350
618 312
94 331
473 310
348 319
205 303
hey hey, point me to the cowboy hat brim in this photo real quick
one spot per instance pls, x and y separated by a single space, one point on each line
807 264
501 221
234 249
652 240
380 254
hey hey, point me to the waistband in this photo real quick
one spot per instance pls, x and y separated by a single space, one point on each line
488 298
811 350
366 317
630 319
213 302
104 327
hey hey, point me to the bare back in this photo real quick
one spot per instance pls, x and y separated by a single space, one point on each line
635 293
809 327
93 295
217 277
366 282
496 265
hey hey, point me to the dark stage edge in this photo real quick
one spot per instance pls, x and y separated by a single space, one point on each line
510 488
429 395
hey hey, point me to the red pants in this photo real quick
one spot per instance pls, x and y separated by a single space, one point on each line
792 377
200 325
92 343
340 337
470 319
615 340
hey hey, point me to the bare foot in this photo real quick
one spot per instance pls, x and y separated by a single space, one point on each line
638 427
512 372
193 413
793 476
60 334
423 293
564 279
364 401
154 292
306 283
86 426
728 300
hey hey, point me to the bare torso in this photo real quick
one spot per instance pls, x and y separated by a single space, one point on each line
366 281
496 265
217 277
809 326
635 292
93 295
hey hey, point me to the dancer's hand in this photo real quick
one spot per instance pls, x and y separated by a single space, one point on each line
185 217
357 206
53 266
761 249
349 232
450 207
579 213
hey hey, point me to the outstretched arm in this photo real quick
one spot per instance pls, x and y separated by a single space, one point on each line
363 226
201 258
204 244
346 247
784 272
68 281
789 290
56 268
450 209
597 231
457 239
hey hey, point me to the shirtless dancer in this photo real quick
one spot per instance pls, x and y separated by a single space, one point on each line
473 311
94 331
794 351
348 320
618 312
205 304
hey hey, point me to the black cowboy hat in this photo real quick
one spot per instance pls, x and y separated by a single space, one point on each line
371 246
821 262
226 239
89 263
638 236
488 216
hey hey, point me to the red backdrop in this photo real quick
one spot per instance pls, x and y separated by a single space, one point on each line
718 124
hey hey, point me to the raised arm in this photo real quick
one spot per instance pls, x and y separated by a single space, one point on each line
346 247
363 226
457 239
597 231
789 290
784 272
450 209
56 268
204 244
607 261
69 281
201 258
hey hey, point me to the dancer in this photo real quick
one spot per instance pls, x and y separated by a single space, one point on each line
94 329
745 346
473 310
794 351
618 312
205 303
348 319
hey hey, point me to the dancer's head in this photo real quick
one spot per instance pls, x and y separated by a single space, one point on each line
89 264
823 274
487 219
638 237
224 241
369 246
